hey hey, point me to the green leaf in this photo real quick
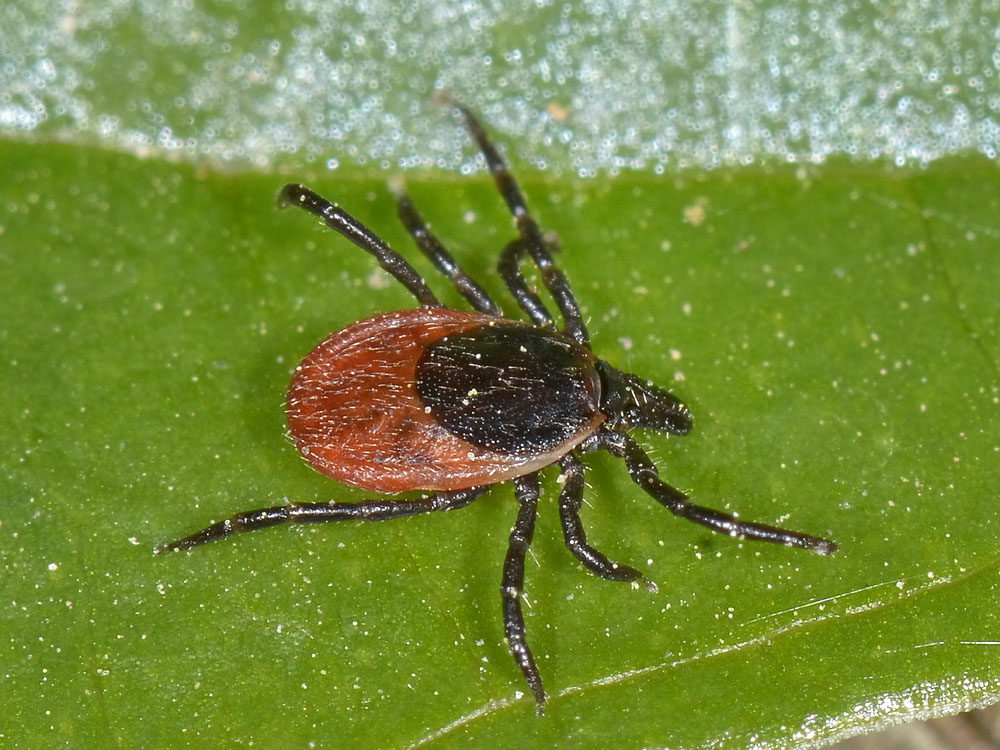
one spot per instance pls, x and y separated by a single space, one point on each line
833 329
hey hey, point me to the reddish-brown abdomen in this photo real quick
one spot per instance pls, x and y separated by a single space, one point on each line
356 416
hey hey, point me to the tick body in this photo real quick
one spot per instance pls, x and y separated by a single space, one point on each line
454 402
440 399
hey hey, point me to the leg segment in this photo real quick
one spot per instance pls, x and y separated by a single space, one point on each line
534 242
442 259
644 474
339 220
510 271
366 510
526 489
570 500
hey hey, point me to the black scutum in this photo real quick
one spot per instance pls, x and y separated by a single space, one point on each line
514 389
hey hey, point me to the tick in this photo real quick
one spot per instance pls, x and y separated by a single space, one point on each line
454 402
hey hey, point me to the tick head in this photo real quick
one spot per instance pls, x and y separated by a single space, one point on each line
629 401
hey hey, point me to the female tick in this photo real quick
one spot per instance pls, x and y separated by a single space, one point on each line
455 402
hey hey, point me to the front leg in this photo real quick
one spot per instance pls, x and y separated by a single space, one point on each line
644 473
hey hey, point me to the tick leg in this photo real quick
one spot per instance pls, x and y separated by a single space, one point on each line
512 587
366 510
644 474
441 258
339 220
570 500
534 242
509 268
